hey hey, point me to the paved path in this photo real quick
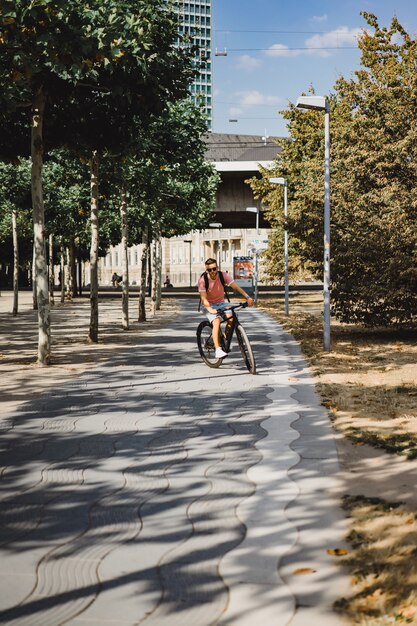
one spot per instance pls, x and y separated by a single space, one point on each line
154 490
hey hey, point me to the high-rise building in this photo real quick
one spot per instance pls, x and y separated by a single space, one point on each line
196 22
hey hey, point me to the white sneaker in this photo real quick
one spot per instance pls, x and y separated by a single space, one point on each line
220 354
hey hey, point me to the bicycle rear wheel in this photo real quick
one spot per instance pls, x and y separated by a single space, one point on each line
206 345
246 349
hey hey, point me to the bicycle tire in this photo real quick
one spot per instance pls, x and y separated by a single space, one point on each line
246 349
206 345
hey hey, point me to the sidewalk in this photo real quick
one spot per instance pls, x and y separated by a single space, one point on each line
152 489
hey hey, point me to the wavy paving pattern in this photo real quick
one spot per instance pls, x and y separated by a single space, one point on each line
153 491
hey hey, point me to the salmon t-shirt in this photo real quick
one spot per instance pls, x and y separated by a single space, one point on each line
215 291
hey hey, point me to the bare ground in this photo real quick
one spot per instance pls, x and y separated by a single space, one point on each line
71 352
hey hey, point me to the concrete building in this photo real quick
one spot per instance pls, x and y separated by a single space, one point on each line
236 158
196 21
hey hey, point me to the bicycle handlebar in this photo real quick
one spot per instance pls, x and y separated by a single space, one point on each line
241 305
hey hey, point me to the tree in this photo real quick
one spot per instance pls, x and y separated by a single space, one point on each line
66 193
14 220
373 181
375 275
301 163
71 55
135 88
171 188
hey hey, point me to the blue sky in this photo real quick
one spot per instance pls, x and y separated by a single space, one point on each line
267 64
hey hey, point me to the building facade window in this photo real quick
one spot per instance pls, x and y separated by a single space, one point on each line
195 19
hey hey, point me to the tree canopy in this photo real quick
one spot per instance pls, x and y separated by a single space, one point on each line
373 182
84 75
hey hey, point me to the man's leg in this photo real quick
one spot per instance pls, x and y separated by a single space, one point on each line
220 353
215 324
229 323
216 332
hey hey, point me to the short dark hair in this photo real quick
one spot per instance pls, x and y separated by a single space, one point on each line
210 261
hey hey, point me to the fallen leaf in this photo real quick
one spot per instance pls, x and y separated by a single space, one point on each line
409 611
293 378
304 570
337 552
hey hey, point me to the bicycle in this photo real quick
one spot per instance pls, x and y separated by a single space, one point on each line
206 344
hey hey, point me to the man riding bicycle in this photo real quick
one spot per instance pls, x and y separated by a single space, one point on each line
211 288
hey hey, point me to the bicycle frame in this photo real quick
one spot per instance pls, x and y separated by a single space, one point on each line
230 329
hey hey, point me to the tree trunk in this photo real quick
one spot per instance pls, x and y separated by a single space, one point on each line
34 295
93 331
159 275
80 271
63 279
51 270
41 275
143 272
149 244
15 263
125 263
73 270
153 277
68 276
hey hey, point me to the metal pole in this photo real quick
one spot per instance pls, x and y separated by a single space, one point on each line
256 260
326 277
190 241
191 281
286 305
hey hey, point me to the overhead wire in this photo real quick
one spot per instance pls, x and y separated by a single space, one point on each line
285 49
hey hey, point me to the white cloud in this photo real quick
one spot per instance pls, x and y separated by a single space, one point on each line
248 63
319 18
280 50
340 37
256 98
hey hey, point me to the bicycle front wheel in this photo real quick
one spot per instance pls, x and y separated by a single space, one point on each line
206 345
246 349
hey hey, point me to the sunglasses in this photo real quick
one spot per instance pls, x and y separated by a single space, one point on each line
212 269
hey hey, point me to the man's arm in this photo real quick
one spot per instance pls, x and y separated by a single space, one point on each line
206 303
243 293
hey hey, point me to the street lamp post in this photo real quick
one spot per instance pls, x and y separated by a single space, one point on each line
320 103
283 182
190 241
254 209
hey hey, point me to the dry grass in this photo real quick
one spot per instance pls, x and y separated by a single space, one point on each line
369 383
383 563
368 380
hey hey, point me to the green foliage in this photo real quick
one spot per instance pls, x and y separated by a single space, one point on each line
171 187
107 71
98 64
15 195
67 197
374 272
373 182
